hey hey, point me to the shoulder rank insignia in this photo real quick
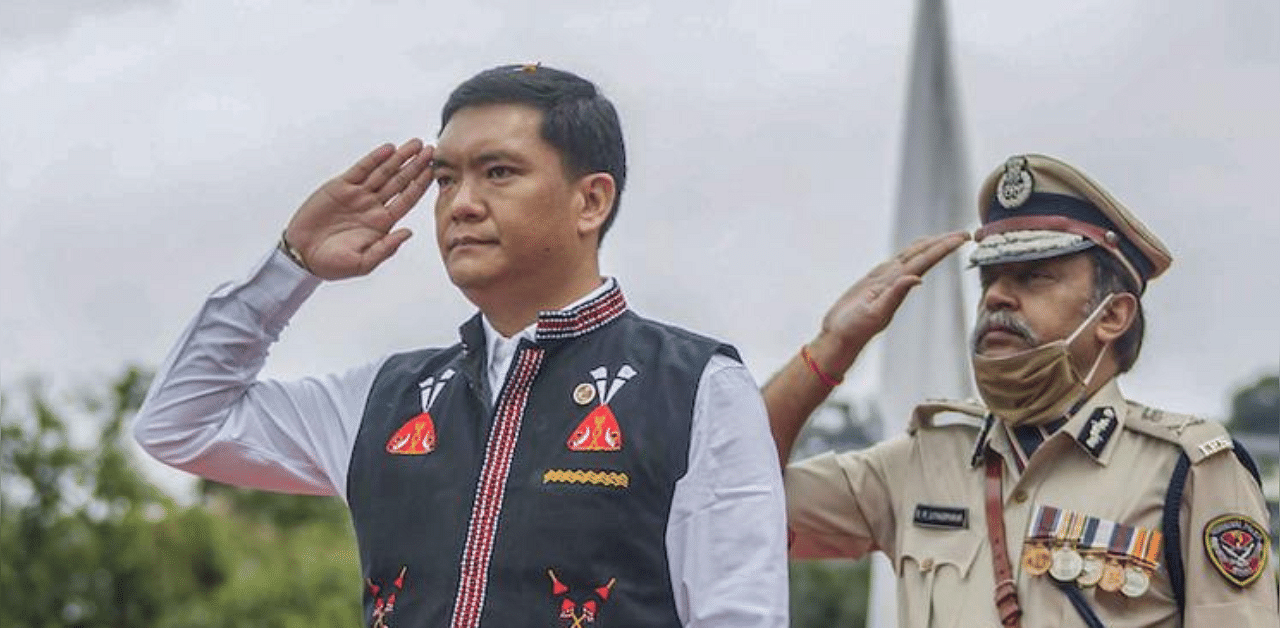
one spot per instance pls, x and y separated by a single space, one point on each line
1198 438
1237 547
418 435
600 431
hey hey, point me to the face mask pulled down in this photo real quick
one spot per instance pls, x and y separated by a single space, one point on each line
1037 385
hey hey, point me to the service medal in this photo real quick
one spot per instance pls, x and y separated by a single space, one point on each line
1136 581
1066 565
1036 559
1091 570
1112 576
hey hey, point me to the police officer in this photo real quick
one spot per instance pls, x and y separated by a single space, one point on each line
1057 501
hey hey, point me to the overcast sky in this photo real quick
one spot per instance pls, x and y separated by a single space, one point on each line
152 149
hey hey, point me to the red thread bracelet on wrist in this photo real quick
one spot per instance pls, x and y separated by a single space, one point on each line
830 381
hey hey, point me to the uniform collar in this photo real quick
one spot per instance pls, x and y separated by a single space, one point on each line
1093 427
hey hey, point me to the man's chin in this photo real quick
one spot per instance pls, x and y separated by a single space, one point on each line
465 278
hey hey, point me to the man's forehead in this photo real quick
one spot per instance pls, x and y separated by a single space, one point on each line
494 128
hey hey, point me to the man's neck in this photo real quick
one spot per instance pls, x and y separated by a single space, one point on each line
510 311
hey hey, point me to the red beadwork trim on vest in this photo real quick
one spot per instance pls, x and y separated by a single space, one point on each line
582 319
474 571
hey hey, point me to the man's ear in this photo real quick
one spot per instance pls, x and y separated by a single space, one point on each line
1121 311
597 192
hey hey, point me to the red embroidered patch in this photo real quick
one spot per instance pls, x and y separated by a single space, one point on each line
1238 548
578 610
416 437
598 432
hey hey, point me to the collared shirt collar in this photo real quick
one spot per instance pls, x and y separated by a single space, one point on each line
603 304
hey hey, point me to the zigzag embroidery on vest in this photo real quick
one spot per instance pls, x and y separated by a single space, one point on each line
614 479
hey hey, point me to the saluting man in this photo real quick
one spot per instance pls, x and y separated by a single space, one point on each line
1057 501
566 462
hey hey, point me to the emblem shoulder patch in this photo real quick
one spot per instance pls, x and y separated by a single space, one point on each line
1199 438
1238 548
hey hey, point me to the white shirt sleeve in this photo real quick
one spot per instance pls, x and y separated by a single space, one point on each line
207 413
726 534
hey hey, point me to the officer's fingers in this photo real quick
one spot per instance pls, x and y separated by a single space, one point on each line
913 249
888 300
933 250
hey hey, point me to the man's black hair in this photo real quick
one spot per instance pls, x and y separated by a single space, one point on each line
577 120
1110 276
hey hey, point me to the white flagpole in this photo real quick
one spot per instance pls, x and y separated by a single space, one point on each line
924 351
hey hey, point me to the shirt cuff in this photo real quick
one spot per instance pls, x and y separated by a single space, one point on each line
275 289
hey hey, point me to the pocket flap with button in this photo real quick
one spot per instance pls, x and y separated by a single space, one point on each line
926 549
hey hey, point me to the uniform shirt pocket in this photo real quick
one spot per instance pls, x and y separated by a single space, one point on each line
935 567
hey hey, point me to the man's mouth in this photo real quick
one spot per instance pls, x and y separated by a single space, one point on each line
1000 330
468 240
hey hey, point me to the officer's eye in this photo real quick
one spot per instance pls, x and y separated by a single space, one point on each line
1037 275
498 172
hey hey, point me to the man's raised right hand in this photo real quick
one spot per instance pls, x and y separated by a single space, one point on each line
346 227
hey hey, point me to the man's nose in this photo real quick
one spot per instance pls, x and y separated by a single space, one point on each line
999 295
465 203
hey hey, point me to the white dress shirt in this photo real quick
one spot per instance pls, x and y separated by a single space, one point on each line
207 413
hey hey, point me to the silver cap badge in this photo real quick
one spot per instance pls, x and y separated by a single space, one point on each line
1016 184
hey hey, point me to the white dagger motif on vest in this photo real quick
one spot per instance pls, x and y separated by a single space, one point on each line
431 387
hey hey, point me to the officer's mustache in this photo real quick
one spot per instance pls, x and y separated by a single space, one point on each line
1003 320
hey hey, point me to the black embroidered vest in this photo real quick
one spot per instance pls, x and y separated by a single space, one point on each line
550 507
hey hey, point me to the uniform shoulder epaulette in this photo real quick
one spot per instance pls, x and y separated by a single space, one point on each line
1196 436
940 412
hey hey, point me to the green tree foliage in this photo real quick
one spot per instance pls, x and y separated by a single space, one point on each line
1256 408
86 541
828 593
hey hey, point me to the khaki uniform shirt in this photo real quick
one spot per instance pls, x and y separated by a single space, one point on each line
845 505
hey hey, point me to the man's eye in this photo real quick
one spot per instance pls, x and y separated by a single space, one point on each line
498 172
444 180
